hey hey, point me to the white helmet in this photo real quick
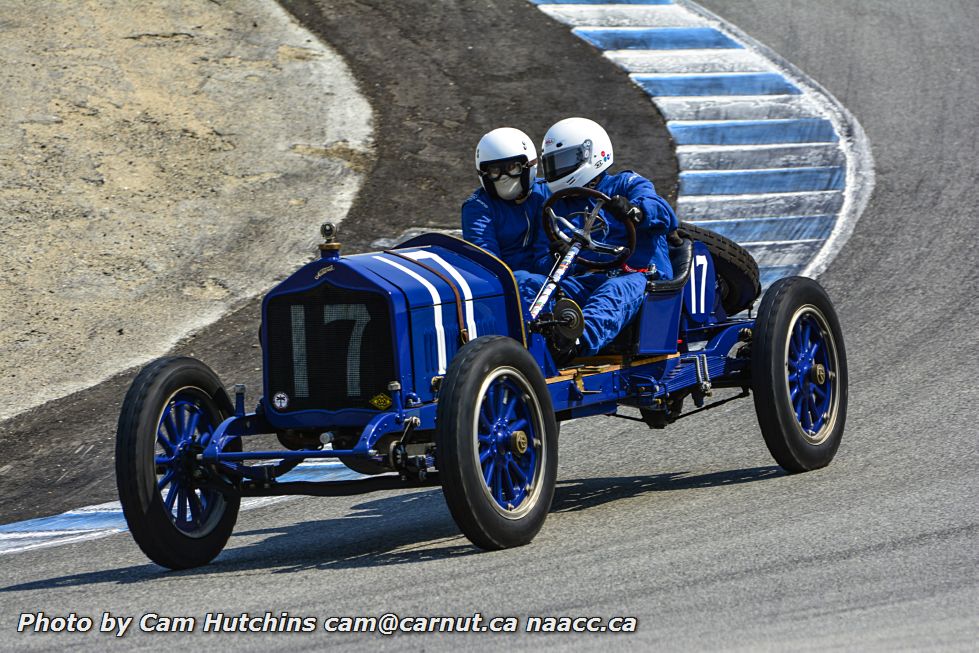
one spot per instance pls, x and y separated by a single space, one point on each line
506 162
575 151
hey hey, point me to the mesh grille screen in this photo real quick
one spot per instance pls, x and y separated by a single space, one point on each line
328 349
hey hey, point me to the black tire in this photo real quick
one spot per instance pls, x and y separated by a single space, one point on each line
171 387
482 368
801 428
736 267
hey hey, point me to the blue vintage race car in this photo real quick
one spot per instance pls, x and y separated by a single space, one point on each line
419 365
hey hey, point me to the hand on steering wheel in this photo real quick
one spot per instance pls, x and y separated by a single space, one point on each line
561 231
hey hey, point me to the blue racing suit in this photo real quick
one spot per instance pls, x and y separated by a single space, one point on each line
513 233
609 301
658 220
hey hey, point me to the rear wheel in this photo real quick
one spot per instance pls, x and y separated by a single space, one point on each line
736 268
169 414
799 374
496 443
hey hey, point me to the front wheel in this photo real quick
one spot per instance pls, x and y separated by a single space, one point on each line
496 443
169 414
799 374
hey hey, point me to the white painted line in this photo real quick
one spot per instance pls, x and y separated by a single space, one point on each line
772 243
737 107
788 255
467 294
818 195
612 15
734 207
757 149
436 307
738 157
688 61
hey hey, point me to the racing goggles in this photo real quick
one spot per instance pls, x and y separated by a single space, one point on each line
494 170
561 163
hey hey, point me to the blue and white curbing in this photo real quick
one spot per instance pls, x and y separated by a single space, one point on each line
767 156
102 520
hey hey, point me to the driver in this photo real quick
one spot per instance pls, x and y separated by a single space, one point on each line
577 152
503 215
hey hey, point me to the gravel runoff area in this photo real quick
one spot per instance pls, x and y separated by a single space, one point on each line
159 164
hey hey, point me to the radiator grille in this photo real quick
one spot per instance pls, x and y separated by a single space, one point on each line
327 349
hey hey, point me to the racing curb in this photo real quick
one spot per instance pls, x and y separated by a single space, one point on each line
767 156
104 519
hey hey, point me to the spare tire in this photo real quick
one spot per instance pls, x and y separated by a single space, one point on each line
737 270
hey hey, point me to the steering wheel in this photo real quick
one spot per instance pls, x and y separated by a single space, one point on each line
561 230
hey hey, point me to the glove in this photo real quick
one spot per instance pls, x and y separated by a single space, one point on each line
623 210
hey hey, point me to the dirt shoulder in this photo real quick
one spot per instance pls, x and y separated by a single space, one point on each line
159 163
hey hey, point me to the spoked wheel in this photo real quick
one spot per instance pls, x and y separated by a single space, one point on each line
799 374
496 443
169 414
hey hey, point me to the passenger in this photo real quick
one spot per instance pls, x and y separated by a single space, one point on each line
503 216
577 152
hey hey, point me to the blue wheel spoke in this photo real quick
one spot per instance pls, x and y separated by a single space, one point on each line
806 414
815 349
165 443
797 405
489 402
484 421
508 482
196 509
171 497
484 455
192 424
498 484
794 344
178 411
501 393
794 392
166 480
488 472
519 425
519 472
806 332
819 391
182 505
485 438
169 440
170 426
511 409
